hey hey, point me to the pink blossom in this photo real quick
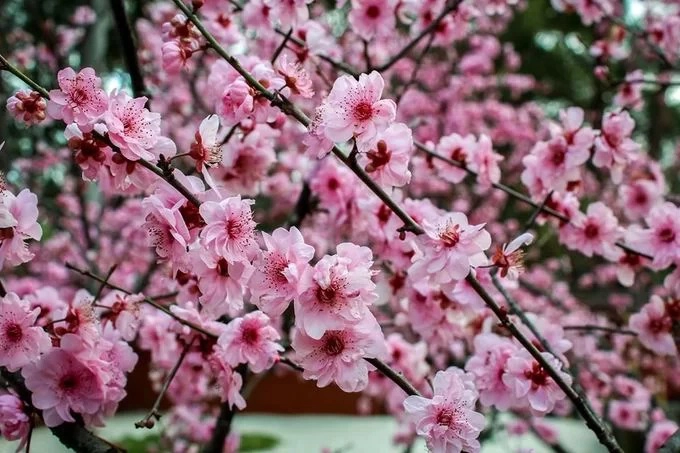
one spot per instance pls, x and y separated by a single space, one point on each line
21 342
354 109
484 161
488 365
509 258
236 102
338 355
340 291
457 148
288 12
27 106
613 148
221 284
175 56
654 327
595 232
627 415
63 385
296 77
124 313
449 247
15 423
90 152
280 271
388 156
661 240
135 130
448 420
206 149
18 223
250 339
83 15
370 18
229 381
528 379
661 431
629 94
80 98
230 231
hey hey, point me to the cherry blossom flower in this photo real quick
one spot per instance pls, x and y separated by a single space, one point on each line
221 284
281 271
135 130
614 148
21 342
288 12
488 365
661 240
654 327
206 149
595 232
449 247
448 420
370 18
388 157
229 381
18 223
660 432
340 292
296 77
338 355
236 103
250 339
354 109
484 161
230 231
62 385
509 258
15 423
27 106
528 379
80 98
90 151
457 148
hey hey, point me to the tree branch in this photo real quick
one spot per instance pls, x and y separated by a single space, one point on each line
127 41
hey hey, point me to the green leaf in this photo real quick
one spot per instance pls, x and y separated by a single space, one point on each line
257 442
139 445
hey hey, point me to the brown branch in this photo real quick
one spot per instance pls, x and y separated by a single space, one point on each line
593 422
604 329
127 41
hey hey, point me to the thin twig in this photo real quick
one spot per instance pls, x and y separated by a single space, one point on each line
279 49
7 66
605 329
394 376
127 41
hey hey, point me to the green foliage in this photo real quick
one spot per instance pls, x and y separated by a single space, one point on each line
250 442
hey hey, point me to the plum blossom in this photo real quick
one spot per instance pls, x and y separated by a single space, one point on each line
661 238
27 106
80 98
280 271
15 423
230 230
338 355
661 431
484 161
296 77
340 291
206 150
387 158
654 326
288 12
250 339
370 18
449 248
528 379
220 283
62 385
448 420
596 232
488 366
354 109
614 148
456 148
236 102
21 341
509 258
18 223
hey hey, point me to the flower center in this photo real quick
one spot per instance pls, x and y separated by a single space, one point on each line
373 12
537 375
363 111
79 96
6 233
223 267
68 382
558 153
451 235
667 235
326 295
591 231
378 157
14 333
333 343
445 417
250 335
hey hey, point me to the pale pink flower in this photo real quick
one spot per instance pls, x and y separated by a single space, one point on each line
629 94
135 130
457 148
221 284
296 77
280 270
21 342
639 197
627 415
654 327
488 365
661 431
251 339
510 258
15 423
80 98
579 137
661 240
449 247
175 56
230 230
354 109
27 106
338 356
229 381
388 156
288 13
62 385
236 102
596 232
18 223
340 292
448 420
370 18
614 148
124 313
89 151
206 149
484 161
83 15
528 379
